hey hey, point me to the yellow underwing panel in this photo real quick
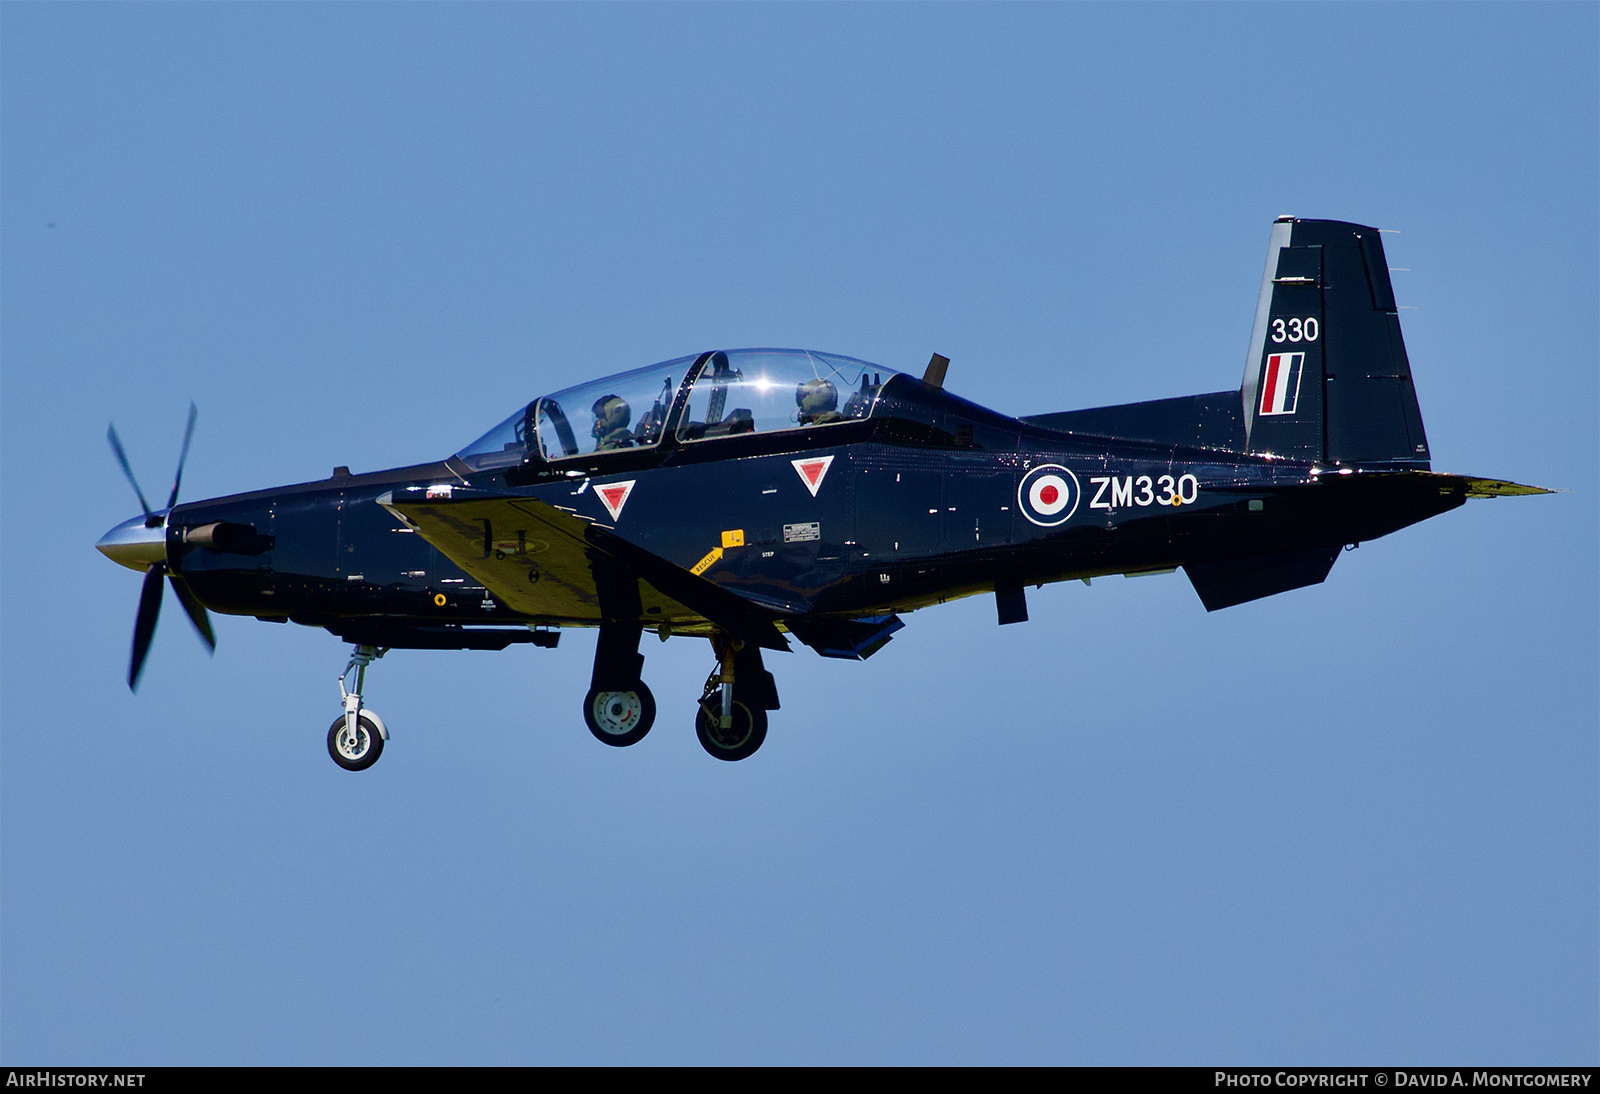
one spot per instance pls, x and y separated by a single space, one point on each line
547 563
533 557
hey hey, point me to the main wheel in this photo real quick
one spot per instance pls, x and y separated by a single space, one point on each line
749 729
361 753
620 717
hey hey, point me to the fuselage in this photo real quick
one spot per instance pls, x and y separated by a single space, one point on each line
931 498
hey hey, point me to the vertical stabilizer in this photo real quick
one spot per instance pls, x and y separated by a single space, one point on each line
1327 378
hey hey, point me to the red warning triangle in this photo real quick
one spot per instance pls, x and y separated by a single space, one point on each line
614 495
812 471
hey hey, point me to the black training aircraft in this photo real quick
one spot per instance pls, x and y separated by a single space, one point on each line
737 495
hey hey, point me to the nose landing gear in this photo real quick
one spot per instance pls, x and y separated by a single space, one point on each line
355 740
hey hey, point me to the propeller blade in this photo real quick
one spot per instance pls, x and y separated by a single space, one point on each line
122 458
144 624
188 433
197 611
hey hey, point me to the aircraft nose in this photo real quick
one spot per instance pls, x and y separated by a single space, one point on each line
134 544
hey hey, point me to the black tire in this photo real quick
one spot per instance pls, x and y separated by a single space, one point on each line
368 747
620 718
748 731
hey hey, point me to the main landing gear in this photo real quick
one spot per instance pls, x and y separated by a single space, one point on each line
619 710
730 721
620 718
355 740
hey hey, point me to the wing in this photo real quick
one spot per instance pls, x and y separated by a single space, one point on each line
557 565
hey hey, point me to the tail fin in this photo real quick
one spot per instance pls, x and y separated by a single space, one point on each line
1327 378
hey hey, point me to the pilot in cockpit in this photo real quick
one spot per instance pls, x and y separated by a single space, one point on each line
611 416
818 401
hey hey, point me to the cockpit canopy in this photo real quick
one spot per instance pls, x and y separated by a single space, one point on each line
689 399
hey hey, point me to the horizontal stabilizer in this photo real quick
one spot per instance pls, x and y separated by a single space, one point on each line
1497 488
1470 486
1238 580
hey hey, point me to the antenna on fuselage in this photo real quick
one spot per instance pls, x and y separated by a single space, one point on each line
934 374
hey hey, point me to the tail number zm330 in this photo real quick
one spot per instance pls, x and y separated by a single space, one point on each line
1143 490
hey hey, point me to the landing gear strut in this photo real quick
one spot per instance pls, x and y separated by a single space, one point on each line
355 740
732 720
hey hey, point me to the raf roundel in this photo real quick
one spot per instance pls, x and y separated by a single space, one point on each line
1048 495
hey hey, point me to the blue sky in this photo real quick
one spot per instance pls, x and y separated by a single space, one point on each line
1351 824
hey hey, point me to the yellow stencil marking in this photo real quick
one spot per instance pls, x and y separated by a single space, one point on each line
734 538
706 563
438 598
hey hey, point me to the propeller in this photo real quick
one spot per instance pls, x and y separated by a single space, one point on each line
144 624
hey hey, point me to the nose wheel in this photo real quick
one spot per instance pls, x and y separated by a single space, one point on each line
355 740
359 750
